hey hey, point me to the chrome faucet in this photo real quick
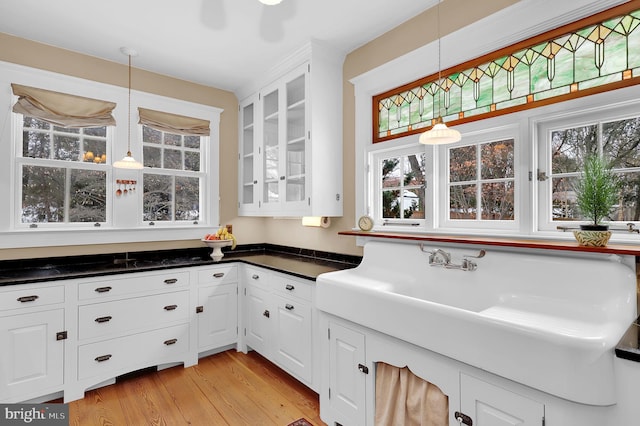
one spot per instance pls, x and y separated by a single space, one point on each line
439 257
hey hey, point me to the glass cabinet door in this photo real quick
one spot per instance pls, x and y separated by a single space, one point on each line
296 139
271 149
247 155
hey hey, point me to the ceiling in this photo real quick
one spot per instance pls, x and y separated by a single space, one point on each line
220 43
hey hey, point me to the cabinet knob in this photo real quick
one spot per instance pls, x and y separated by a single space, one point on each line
25 299
170 342
255 182
255 277
266 313
103 289
171 281
218 275
282 178
103 319
289 287
199 309
288 307
103 358
170 307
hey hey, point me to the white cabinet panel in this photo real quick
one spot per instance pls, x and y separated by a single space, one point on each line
293 336
347 384
217 316
257 316
31 358
490 405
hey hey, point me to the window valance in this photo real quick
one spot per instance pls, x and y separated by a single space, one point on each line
62 109
174 123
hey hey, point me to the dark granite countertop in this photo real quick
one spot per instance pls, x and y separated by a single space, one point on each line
303 263
629 345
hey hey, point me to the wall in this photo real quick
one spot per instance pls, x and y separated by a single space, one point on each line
420 30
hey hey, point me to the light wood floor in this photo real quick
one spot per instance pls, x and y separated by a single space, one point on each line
229 388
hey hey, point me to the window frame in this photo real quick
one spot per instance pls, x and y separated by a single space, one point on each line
544 128
125 226
375 207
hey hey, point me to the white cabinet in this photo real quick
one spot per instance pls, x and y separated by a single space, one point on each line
33 340
290 147
128 322
346 382
490 405
217 307
278 321
347 392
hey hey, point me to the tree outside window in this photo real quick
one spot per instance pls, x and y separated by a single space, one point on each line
403 186
482 181
618 142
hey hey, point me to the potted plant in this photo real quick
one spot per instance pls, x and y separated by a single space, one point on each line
597 193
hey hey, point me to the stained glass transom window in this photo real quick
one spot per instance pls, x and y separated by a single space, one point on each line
594 58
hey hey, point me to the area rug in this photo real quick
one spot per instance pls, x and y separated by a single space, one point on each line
300 422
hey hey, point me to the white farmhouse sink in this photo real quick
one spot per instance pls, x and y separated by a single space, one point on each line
547 321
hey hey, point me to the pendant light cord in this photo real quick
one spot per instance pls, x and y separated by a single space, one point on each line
129 115
439 60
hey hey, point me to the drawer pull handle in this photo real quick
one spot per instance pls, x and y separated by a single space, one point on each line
290 287
25 299
289 307
103 319
170 342
170 307
255 277
218 275
103 289
103 358
171 281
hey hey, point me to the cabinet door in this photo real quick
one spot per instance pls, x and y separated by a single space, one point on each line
257 319
296 141
248 157
347 384
490 405
271 121
217 316
292 349
31 359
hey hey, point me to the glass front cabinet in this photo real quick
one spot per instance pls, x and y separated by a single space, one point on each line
278 150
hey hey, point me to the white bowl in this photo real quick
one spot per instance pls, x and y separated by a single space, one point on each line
217 245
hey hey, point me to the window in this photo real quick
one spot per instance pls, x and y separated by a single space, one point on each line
401 186
565 147
482 181
173 192
62 174
589 56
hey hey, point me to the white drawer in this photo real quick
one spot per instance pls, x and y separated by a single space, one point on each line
291 287
30 295
117 317
122 285
218 275
256 277
129 353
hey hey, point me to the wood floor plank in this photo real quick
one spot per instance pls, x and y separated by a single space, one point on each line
229 388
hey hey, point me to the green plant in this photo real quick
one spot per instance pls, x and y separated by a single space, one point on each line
596 189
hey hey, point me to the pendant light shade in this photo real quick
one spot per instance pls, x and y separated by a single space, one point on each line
439 134
270 2
128 162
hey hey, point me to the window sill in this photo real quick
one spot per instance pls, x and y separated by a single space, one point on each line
541 244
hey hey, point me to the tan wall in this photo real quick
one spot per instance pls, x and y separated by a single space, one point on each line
407 37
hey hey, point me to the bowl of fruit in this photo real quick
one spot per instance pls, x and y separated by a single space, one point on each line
221 238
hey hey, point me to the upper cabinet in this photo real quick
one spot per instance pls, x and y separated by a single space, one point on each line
290 147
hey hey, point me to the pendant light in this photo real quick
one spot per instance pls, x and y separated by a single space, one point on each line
128 162
439 134
270 2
